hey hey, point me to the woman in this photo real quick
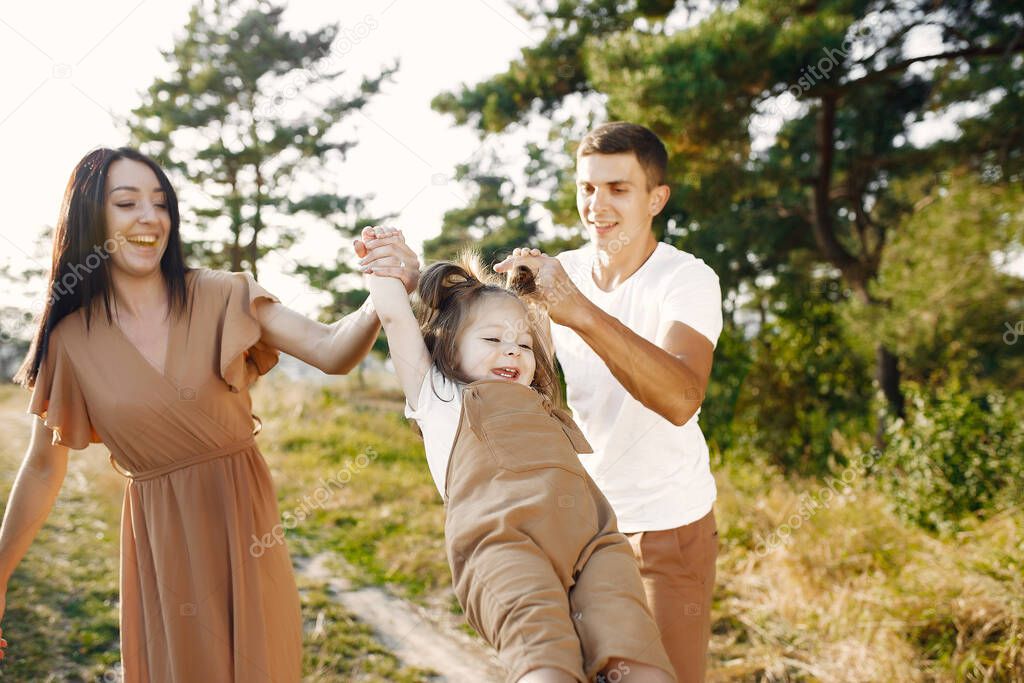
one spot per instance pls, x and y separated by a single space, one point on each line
154 360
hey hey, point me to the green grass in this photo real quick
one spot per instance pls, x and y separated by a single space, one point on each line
356 471
61 621
858 595
338 648
854 595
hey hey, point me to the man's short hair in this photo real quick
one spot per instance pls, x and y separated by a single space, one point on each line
619 137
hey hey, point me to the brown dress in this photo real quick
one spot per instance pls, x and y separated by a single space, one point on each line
207 590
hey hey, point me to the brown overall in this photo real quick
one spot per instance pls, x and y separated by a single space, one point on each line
537 562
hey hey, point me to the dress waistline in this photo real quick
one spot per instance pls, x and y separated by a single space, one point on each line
224 451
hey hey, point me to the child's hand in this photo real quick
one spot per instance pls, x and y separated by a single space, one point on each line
368 234
383 252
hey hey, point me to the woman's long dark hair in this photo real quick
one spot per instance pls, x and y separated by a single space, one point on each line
80 269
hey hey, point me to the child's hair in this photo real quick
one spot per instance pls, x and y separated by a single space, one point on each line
448 289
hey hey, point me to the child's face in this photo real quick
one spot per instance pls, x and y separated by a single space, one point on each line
495 342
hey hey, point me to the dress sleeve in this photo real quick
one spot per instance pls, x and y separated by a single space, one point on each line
58 400
243 356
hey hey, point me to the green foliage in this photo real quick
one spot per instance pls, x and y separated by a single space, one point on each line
804 387
493 223
731 365
498 218
546 73
948 296
956 456
791 135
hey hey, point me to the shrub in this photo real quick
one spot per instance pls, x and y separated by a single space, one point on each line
955 455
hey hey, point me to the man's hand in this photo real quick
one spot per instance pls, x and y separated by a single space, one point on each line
668 376
555 291
385 253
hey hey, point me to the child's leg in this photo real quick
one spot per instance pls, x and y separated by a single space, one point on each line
513 598
618 634
626 671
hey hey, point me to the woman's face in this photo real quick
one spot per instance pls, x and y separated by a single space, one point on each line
138 221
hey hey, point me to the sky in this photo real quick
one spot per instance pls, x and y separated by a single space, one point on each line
71 70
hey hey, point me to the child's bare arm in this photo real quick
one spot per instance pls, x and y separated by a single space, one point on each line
390 300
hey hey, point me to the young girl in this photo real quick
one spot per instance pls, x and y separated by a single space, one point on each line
537 562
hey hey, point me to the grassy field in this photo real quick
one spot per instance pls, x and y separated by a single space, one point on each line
849 593
839 590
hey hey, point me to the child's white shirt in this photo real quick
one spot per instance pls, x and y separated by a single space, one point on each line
438 409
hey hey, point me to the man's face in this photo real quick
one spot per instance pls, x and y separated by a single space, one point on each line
613 200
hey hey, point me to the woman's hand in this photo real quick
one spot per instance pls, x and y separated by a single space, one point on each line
383 252
3 608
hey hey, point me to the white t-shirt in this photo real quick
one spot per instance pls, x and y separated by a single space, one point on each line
437 413
655 475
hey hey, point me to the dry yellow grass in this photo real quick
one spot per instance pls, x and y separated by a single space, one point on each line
857 595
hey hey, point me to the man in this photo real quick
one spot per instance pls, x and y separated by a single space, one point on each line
635 326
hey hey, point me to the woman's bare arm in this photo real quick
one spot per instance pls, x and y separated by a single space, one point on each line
337 348
32 497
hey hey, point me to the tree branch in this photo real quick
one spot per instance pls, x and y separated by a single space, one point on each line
994 51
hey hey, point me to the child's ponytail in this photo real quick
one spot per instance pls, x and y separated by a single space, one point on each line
446 282
521 282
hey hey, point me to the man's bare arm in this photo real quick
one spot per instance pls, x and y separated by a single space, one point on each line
669 377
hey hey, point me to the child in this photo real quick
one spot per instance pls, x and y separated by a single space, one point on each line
537 563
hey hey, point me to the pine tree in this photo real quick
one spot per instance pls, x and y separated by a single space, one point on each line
248 116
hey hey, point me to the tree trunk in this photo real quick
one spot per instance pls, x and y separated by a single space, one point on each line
887 373
236 226
257 220
253 255
236 250
856 271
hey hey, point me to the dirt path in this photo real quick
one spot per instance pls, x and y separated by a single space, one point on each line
406 629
